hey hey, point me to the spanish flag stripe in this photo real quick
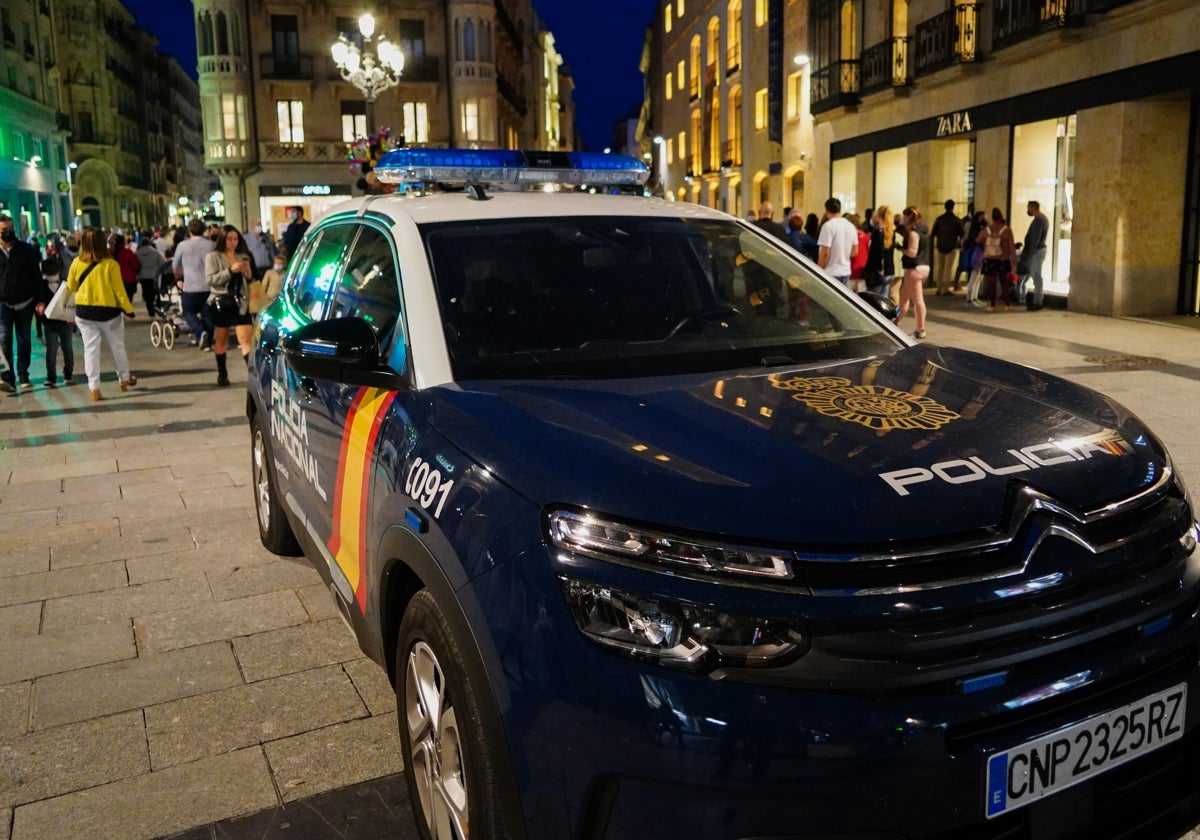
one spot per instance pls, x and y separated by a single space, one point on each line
335 540
379 412
349 513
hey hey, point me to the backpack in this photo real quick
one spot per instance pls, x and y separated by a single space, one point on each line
993 248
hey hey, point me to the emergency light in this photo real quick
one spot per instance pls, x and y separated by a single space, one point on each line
501 168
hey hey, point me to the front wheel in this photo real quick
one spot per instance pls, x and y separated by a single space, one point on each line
449 763
168 332
156 333
273 528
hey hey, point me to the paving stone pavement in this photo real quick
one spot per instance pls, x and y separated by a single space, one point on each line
162 674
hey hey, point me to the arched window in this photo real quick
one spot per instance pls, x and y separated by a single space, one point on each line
695 163
204 33
714 136
733 34
222 35
714 45
849 33
735 126
694 67
485 41
667 20
469 41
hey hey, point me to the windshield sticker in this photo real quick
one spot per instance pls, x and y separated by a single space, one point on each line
348 542
289 428
874 406
1035 457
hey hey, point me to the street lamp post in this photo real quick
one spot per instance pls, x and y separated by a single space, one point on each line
71 167
372 68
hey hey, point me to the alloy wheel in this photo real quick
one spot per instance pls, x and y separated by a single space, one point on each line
436 758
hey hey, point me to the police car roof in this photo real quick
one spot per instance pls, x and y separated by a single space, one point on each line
459 206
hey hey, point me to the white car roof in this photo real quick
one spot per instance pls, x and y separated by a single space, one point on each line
459 206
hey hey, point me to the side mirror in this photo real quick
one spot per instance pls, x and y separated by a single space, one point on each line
342 350
882 304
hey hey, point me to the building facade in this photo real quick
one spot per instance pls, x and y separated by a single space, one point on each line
279 119
728 123
35 183
1089 107
126 108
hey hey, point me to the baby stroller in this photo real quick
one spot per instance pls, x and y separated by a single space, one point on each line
168 314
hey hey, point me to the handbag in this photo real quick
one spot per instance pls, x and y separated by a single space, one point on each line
224 306
62 306
257 296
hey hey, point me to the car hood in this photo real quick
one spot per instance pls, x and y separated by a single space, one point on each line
921 443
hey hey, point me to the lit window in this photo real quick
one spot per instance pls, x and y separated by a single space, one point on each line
669 87
416 122
682 146
694 76
760 12
679 6
289 114
354 121
469 119
667 18
670 145
794 99
734 35
680 71
760 109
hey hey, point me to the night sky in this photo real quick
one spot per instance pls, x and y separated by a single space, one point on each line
602 45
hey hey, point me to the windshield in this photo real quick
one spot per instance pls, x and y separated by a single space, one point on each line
606 297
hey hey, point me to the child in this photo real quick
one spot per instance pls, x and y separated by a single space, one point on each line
58 333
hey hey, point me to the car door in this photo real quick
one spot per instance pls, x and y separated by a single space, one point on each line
346 420
299 416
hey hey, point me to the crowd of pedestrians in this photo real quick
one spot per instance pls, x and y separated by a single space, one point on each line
899 255
218 276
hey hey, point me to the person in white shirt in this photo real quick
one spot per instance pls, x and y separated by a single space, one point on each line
837 243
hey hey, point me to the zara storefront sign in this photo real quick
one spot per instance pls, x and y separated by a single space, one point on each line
957 123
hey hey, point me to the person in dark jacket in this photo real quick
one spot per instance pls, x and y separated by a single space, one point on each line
294 232
127 260
22 294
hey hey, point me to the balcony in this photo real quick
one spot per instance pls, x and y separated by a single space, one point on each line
731 154
423 69
285 66
509 27
948 38
885 65
835 86
511 94
1014 21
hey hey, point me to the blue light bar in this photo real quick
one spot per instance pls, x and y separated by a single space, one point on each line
509 168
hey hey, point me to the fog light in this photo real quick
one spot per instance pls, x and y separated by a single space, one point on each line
680 635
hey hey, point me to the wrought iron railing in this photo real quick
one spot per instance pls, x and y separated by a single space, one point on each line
834 86
285 66
948 38
1014 21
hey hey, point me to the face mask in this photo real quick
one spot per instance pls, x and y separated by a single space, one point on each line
9 235
279 266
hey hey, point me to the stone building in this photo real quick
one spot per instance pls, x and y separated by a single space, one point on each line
727 123
126 108
278 117
1089 107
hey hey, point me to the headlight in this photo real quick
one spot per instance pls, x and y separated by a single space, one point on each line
680 635
593 535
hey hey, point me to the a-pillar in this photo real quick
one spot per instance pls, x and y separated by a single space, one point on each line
1126 233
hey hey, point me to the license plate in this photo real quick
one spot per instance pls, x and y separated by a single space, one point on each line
1078 752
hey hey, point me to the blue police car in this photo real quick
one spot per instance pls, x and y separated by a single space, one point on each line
659 532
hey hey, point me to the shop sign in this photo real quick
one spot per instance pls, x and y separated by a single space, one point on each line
958 122
305 189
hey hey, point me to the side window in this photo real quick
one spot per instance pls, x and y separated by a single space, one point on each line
370 289
319 271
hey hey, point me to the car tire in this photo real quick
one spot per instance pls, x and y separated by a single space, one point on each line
273 528
448 764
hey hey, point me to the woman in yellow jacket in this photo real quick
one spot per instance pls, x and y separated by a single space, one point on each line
100 303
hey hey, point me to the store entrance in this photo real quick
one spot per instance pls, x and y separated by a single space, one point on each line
1043 170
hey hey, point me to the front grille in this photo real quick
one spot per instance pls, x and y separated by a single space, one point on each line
1080 587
